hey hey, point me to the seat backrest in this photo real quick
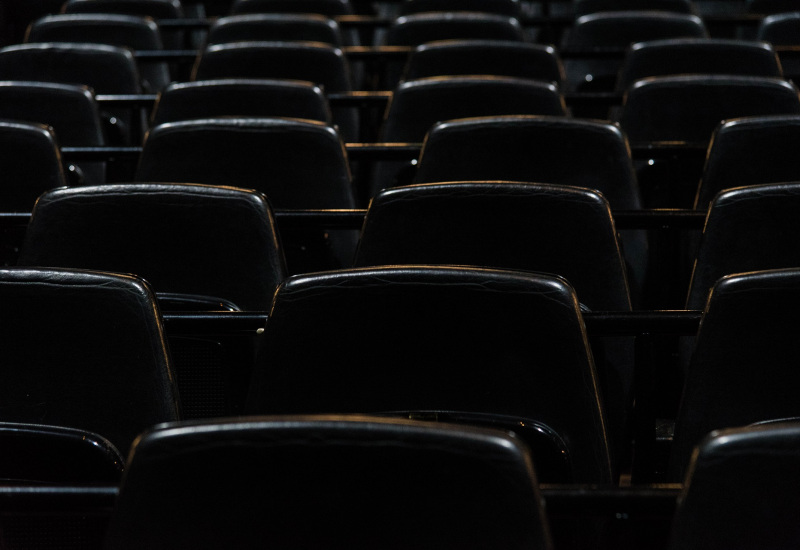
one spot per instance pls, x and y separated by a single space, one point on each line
315 62
585 7
543 149
522 226
416 29
366 482
618 29
38 453
321 64
70 110
419 104
240 98
295 163
29 162
742 486
780 29
698 56
328 8
743 367
750 151
622 28
157 9
689 108
448 338
275 27
103 368
217 242
747 229
106 69
499 7
136 33
491 57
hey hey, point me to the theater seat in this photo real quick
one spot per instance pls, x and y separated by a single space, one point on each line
747 229
30 164
218 243
585 7
687 109
420 28
321 64
35 454
434 338
240 97
741 490
328 481
296 163
136 33
750 151
698 56
500 7
743 366
70 110
84 350
417 105
490 57
619 29
103 68
275 27
328 8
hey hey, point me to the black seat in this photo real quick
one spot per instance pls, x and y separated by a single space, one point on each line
532 148
328 8
585 7
417 105
742 369
40 454
619 29
71 111
295 163
136 33
492 57
781 29
105 69
698 56
416 29
30 164
157 9
364 482
750 151
522 226
747 229
447 339
742 489
541 149
104 368
420 28
240 98
499 7
275 27
219 243
688 109
321 64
